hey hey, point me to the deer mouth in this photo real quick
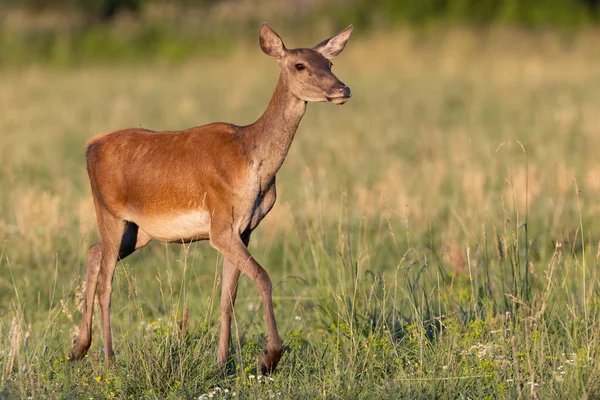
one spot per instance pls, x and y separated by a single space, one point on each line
339 100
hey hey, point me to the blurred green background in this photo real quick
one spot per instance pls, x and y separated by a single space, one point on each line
72 32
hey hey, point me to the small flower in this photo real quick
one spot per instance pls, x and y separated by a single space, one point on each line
297 318
98 379
445 367
112 394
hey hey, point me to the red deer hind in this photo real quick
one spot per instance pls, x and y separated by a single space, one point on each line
213 182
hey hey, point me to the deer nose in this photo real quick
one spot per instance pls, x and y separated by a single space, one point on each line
344 90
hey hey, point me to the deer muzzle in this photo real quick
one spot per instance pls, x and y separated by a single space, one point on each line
340 95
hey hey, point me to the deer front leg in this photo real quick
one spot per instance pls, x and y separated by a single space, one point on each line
231 276
234 249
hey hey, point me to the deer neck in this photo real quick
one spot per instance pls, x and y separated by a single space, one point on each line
274 131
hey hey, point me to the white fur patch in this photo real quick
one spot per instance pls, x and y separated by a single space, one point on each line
175 228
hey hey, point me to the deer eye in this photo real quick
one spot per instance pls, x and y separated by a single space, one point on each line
299 67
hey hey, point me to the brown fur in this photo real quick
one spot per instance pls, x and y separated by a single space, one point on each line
213 182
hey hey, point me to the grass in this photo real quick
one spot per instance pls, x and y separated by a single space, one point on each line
436 237
65 35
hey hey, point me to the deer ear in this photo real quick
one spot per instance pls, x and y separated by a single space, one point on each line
270 42
333 46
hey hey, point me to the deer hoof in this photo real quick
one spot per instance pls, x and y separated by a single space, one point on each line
270 361
76 354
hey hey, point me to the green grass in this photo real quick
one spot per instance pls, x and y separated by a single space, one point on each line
70 35
435 237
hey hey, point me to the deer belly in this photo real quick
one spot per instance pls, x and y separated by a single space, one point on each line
177 228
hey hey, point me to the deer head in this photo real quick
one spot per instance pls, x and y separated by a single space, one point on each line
307 72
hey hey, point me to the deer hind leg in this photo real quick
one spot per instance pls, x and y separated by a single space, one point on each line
132 239
84 339
119 239
102 258
112 233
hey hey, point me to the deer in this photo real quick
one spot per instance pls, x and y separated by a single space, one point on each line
213 182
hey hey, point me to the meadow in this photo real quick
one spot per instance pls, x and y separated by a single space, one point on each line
436 237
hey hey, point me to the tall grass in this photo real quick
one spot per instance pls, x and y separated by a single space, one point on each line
435 237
